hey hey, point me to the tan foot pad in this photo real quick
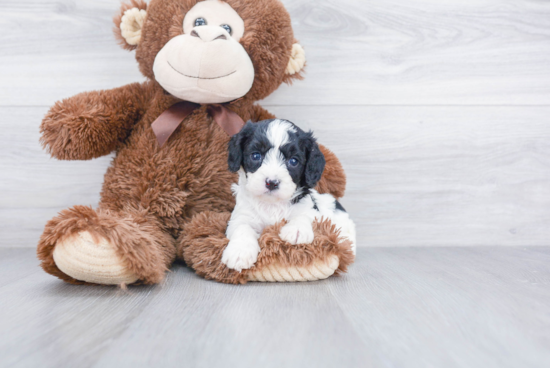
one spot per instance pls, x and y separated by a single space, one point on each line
80 257
319 270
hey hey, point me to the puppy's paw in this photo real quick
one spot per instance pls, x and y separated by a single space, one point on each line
241 254
295 234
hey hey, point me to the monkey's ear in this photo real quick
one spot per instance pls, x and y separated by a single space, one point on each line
296 63
129 23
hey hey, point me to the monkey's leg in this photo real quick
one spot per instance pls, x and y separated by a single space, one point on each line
203 241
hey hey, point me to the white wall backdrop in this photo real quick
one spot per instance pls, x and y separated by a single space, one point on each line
439 111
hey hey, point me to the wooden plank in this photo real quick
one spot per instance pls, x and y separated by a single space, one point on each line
417 175
451 307
421 52
47 322
215 325
17 264
55 49
398 307
359 52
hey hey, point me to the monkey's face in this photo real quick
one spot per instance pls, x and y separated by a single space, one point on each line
212 51
206 64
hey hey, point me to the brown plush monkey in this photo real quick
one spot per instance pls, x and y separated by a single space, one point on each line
165 201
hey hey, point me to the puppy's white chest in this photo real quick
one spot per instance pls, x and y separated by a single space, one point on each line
270 214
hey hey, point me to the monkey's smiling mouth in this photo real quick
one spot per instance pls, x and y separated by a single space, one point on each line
190 76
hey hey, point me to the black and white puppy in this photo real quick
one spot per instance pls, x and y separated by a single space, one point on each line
279 165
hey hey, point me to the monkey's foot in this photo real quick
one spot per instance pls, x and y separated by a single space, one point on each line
319 270
94 261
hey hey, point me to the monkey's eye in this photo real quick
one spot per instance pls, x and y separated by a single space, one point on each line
256 156
227 28
200 22
293 162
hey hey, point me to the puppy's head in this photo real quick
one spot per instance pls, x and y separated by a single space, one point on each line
279 160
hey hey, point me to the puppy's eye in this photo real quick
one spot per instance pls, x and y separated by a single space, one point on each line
227 28
293 162
200 22
256 156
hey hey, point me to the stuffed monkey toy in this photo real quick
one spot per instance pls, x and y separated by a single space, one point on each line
167 194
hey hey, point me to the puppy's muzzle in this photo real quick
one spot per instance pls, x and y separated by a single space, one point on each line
272 184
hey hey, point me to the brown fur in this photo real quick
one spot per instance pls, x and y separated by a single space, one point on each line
151 193
94 124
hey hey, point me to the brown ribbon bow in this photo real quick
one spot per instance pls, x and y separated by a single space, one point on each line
167 123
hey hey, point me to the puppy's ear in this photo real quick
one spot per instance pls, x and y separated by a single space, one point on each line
315 163
236 144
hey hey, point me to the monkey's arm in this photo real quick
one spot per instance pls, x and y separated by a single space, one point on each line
93 124
333 180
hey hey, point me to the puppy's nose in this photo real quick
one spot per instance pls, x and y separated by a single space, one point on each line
272 184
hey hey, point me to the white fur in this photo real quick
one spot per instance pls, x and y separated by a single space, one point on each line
277 133
273 167
257 207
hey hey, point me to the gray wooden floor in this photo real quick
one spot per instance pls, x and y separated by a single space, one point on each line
440 113
398 307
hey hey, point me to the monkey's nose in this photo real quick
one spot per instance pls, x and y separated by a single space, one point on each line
272 184
208 33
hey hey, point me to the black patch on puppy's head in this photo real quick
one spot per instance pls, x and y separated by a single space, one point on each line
235 157
303 147
315 164
252 138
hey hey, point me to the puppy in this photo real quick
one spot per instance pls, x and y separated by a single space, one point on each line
279 165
